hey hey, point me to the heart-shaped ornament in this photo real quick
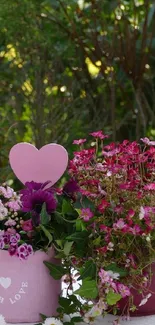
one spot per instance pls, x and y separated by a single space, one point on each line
46 164
5 282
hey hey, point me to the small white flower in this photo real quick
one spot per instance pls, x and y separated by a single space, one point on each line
148 239
113 275
52 321
142 213
110 246
2 320
3 211
144 301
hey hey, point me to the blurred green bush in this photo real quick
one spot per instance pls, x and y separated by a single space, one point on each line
69 67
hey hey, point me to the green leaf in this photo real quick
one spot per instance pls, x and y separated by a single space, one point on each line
80 225
78 211
113 267
112 298
88 289
78 236
75 300
67 207
97 241
56 271
58 217
45 218
67 247
77 319
43 316
47 233
89 270
67 304
60 243
64 302
83 202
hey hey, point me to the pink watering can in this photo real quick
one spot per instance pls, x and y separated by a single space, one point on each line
26 287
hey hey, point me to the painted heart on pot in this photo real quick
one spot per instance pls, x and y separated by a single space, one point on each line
46 164
5 282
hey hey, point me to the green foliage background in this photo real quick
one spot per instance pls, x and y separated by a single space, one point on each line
68 67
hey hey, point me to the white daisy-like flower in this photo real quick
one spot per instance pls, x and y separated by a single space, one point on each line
2 320
52 321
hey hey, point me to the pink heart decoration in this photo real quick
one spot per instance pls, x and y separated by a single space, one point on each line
30 164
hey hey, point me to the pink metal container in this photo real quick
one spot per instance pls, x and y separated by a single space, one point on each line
26 288
146 309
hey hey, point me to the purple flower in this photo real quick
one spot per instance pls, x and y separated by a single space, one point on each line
24 251
71 187
34 197
1 243
14 239
12 250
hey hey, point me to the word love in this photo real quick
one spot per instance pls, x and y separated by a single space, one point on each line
18 295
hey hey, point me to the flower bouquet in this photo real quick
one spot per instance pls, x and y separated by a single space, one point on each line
99 227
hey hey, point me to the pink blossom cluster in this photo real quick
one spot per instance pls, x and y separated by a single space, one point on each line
9 202
108 278
11 224
119 180
11 241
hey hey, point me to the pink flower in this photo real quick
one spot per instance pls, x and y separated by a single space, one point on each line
147 141
136 230
11 231
118 209
129 216
103 205
79 142
111 153
105 228
123 290
86 214
10 223
131 213
27 225
132 260
99 134
104 276
7 192
102 250
150 187
14 205
127 186
120 224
